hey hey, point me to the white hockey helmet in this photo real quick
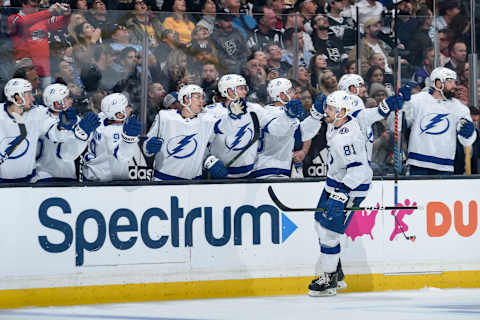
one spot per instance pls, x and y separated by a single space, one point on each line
114 106
55 93
17 86
339 100
187 91
276 87
230 81
348 80
442 74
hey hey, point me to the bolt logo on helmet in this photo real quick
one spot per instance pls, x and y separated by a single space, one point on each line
278 86
114 106
231 81
17 86
55 93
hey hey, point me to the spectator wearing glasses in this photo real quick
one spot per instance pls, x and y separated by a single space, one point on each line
29 30
179 21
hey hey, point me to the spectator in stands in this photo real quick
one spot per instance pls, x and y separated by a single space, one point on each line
305 95
447 10
422 74
75 19
278 7
231 48
407 24
318 65
460 27
97 16
458 54
241 21
378 92
293 19
262 58
342 27
371 44
209 78
368 10
179 21
292 36
175 71
275 62
351 67
463 76
328 82
265 33
29 31
156 94
140 23
302 79
328 44
256 77
63 71
445 37
308 8
88 38
103 57
208 10
420 40
171 101
169 41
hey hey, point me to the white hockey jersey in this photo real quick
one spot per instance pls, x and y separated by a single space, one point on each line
275 152
233 134
56 160
366 117
217 110
108 155
184 145
433 136
21 165
348 164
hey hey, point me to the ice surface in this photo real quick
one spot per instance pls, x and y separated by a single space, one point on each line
428 303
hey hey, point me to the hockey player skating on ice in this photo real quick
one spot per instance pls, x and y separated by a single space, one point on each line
236 129
17 150
275 152
114 142
436 120
179 139
56 161
348 181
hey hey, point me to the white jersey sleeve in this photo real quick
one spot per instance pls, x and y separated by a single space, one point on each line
309 128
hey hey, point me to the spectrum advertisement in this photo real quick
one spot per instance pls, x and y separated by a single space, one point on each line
54 237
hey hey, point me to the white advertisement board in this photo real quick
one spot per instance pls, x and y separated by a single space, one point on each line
53 237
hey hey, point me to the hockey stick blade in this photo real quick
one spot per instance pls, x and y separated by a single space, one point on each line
256 136
283 207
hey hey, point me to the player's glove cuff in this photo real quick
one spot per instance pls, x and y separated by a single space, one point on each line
340 195
129 139
80 133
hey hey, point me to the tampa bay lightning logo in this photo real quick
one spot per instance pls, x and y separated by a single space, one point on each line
8 142
181 147
240 140
434 123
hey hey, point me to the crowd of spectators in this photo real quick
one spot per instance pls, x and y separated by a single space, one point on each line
97 47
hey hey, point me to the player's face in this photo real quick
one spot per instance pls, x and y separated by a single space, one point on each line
242 91
361 90
450 88
29 98
196 103
330 114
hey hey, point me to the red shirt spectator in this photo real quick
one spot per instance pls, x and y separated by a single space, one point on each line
29 31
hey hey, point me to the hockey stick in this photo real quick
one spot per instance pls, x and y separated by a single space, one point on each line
283 207
18 140
256 136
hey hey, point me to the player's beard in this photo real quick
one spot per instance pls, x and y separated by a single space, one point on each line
448 93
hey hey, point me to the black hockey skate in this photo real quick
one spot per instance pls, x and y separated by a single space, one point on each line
341 284
324 286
